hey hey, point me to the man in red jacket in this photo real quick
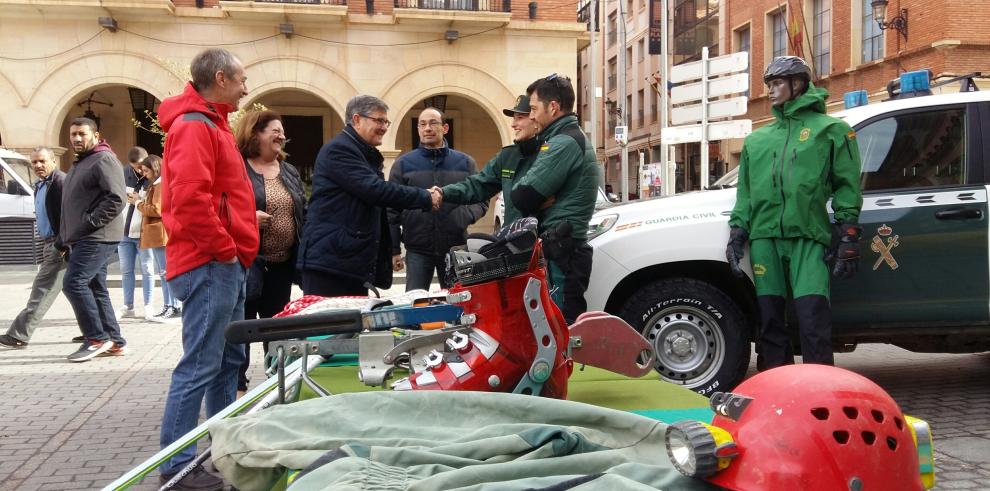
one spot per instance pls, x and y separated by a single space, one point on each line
208 210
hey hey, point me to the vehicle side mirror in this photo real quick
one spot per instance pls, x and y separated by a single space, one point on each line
612 197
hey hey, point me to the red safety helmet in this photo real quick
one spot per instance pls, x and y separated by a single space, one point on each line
817 427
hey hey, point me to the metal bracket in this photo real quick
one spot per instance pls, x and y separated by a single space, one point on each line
459 297
373 369
546 345
419 339
729 405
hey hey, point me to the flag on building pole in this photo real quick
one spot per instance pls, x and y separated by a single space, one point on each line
795 35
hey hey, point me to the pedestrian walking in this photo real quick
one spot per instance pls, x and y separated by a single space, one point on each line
48 282
90 229
208 211
429 235
788 171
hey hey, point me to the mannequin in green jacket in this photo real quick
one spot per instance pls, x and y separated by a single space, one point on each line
788 171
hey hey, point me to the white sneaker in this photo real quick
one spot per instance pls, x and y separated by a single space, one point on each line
149 312
126 312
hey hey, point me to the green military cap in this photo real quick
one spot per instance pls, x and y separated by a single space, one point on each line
521 107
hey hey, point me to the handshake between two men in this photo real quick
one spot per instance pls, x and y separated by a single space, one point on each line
436 194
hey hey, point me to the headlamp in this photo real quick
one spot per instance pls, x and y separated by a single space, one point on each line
601 224
699 450
921 433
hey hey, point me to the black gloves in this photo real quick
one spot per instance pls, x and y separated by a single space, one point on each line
735 250
847 251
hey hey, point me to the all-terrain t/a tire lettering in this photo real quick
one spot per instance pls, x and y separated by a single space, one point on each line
700 335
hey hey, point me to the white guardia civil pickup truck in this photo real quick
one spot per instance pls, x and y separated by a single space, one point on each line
923 282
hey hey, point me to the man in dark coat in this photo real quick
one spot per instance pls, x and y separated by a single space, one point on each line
346 244
90 227
48 283
428 236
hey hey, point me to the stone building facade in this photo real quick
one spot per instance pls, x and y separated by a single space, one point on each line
114 59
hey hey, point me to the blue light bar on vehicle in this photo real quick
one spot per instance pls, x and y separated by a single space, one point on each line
855 99
916 81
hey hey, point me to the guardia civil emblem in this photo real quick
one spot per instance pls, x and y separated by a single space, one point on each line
805 134
882 244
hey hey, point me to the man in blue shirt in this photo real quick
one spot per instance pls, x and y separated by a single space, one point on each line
48 282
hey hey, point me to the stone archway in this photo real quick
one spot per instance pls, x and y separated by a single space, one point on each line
488 92
55 94
115 106
307 75
309 121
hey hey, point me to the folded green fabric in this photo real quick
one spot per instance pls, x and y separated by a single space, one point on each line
437 440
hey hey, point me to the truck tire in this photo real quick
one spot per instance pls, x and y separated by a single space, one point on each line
699 334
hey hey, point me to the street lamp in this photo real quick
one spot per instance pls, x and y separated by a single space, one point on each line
898 23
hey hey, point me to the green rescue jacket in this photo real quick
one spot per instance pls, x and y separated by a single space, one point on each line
565 169
499 174
790 168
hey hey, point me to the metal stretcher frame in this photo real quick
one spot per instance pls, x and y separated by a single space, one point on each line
261 397
288 376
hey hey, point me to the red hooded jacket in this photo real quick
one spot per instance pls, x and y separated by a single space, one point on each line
207 199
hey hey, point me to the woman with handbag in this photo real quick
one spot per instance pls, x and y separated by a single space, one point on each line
153 236
280 204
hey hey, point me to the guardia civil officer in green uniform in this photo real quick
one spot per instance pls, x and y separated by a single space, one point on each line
566 204
788 171
502 171
560 190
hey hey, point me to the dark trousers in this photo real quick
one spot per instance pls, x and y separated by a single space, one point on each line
814 317
276 288
328 285
569 277
45 289
85 286
420 268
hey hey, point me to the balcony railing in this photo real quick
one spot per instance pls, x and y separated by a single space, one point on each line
306 2
465 5
612 82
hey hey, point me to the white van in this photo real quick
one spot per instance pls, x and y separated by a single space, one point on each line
19 243
16 185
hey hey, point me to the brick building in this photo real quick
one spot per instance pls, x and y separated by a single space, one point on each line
839 38
848 50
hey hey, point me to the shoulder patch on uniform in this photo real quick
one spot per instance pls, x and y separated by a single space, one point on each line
544 147
851 135
805 134
199 117
574 132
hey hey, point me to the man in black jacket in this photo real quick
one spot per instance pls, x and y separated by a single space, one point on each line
429 236
91 227
346 245
48 283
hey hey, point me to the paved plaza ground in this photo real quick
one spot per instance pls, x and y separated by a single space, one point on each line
80 426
